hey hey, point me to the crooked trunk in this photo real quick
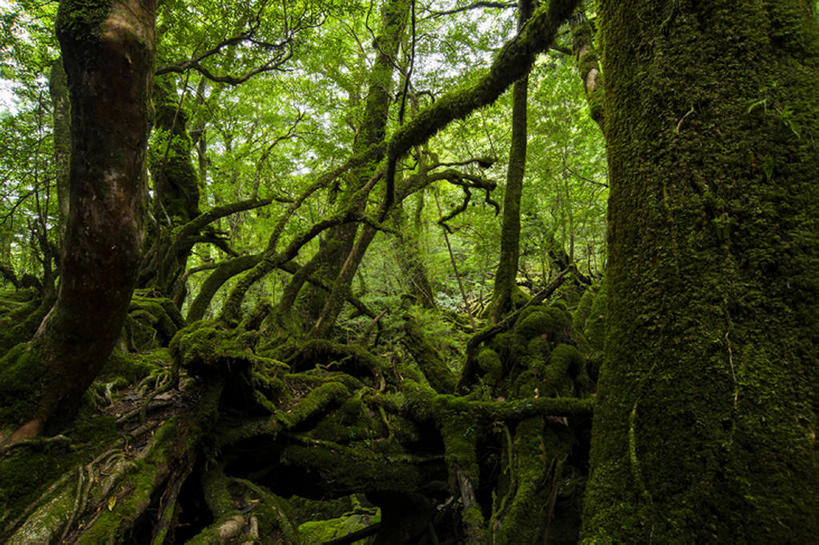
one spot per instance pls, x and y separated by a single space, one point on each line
705 425
108 55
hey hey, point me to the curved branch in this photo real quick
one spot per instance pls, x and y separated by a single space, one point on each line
512 62
284 49
271 260
457 210
474 5
199 222
8 273
224 272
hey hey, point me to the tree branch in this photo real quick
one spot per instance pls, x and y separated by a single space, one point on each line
512 62
473 6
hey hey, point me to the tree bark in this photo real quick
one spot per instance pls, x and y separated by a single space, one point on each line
704 430
588 64
108 55
58 89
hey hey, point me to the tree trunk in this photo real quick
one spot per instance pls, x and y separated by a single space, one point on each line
506 276
704 430
176 194
108 56
340 239
410 261
58 89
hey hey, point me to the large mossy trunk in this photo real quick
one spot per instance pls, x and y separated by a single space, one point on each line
108 56
705 426
176 195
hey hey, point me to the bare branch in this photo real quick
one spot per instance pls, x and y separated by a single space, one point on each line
473 6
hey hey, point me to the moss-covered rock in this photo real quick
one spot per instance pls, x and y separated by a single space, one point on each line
552 321
583 310
151 322
205 349
506 346
566 365
490 364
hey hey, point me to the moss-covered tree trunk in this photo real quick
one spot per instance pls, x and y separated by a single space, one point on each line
588 64
176 195
410 261
107 50
507 273
335 249
705 426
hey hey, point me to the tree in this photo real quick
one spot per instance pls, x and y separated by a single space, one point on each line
108 57
506 277
404 423
706 411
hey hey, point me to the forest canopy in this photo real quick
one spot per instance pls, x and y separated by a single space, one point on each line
402 272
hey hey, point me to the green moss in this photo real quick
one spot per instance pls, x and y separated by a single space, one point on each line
490 364
134 367
25 471
151 322
20 324
29 469
539 347
506 346
536 464
595 324
21 370
529 310
323 531
527 384
552 321
207 349
139 482
170 160
712 284
583 310
429 359
348 469
82 19
315 402
566 365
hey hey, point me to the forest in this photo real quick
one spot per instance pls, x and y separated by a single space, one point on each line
326 272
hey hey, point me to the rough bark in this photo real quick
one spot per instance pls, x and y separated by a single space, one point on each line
175 198
588 64
61 102
705 428
108 55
